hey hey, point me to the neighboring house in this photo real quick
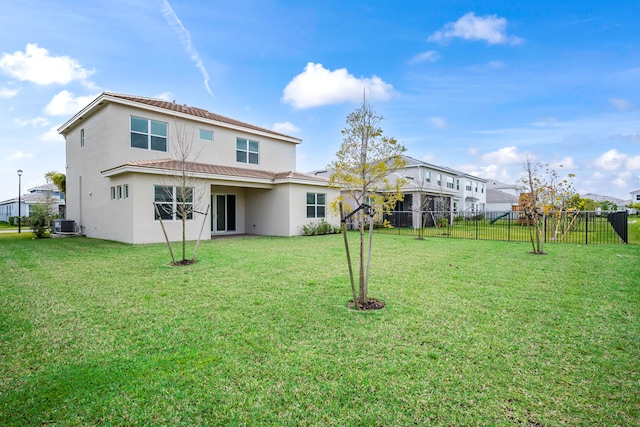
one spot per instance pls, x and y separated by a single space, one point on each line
635 198
122 162
47 193
600 198
435 189
502 197
501 201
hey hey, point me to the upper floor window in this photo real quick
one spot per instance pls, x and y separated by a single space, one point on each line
467 185
482 188
457 184
206 135
148 134
247 151
638 197
449 182
316 205
439 179
82 137
427 176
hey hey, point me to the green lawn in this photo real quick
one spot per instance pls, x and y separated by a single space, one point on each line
258 333
634 229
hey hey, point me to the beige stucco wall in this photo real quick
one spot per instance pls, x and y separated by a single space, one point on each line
107 145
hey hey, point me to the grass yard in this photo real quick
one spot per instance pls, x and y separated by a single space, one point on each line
634 229
258 333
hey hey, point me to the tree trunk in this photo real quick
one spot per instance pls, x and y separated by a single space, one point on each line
362 297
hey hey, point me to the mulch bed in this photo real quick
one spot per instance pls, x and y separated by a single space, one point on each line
370 304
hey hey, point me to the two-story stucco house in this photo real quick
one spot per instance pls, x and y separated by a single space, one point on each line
441 190
123 161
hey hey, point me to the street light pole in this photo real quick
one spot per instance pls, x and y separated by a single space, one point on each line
19 200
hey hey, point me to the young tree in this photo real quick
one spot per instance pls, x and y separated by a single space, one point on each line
362 167
59 179
182 188
549 195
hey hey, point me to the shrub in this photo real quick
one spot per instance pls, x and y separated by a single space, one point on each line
442 222
39 220
322 227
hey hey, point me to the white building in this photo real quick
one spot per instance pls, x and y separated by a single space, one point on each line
123 161
42 194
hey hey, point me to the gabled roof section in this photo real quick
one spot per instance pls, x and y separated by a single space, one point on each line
497 196
206 170
411 162
181 110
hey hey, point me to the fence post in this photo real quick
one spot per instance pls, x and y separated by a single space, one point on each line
477 220
586 228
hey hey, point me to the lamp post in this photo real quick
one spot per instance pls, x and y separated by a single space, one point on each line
19 200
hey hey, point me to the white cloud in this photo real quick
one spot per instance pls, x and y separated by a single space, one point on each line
165 96
19 155
185 37
612 160
37 66
428 56
627 137
317 86
504 156
52 135
566 163
489 28
64 103
621 104
437 122
633 163
622 180
38 121
8 93
546 121
285 127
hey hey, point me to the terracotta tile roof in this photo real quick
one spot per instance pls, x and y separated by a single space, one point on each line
210 169
193 111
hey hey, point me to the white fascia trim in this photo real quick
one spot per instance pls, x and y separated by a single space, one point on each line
249 182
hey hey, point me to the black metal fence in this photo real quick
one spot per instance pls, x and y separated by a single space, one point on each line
567 227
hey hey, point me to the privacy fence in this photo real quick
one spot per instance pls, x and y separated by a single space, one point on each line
566 227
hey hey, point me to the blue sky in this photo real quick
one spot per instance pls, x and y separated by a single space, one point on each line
471 85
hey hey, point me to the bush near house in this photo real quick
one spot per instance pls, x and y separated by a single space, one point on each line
319 228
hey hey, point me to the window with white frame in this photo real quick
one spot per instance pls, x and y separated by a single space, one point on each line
482 188
120 192
316 205
467 185
82 137
171 203
206 135
247 151
148 134
439 179
427 176
449 182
